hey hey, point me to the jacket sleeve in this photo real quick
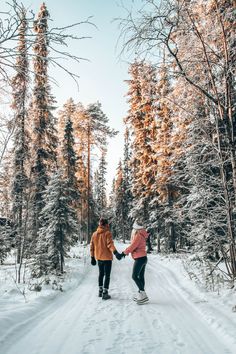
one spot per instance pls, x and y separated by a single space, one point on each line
92 247
134 244
110 243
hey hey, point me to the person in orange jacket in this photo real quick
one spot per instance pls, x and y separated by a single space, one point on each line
102 249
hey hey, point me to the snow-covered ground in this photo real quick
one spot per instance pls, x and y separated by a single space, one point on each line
180 318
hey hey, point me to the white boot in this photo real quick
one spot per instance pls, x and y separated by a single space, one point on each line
142 298
135 297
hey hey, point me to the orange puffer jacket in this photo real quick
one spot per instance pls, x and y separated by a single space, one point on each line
101 245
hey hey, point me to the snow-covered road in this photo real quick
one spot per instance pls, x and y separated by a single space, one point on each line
78 322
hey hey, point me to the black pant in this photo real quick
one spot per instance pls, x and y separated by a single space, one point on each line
138 272
104 270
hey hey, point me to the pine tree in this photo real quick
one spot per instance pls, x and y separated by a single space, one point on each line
5 238
127 187
44 142
94 130
111 210
101 199
202 30
59 229
123 194
66 112
142 121
165 151
119 212
20 180
6 176
199 212
96 185
204 205
69 158
80 137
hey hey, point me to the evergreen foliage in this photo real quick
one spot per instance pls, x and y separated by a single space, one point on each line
59 229
198 101
44 140
69 157
121 202
21 137
100 186
5 239
93 129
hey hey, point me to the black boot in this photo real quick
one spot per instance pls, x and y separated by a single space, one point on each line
105 295
100 291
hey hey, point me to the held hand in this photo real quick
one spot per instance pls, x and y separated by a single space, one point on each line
93 261
118 255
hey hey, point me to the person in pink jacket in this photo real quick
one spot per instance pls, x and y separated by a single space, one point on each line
137 249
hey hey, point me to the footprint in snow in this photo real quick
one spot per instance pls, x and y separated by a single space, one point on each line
177 337
114 351
113 324
99 332
151 349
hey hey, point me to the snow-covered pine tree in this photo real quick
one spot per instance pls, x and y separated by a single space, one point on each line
96 190
205 205
100 181
112 209
134 122
119 207
80 137
44 139
93 127
19 85
199 212
59 229
127 185
202 30
164 149
43 101
141 120
122 204
68 158
6 232
206 76
180 100
6 176
67 110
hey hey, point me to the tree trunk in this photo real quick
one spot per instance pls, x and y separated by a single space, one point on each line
158 244
171 227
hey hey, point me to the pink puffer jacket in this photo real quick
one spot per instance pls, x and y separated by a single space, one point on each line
138 244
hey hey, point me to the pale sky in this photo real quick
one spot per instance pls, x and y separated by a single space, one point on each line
103 77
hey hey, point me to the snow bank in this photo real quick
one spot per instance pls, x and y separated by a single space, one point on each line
19 303
214 299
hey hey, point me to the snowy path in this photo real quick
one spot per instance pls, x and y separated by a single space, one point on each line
78 322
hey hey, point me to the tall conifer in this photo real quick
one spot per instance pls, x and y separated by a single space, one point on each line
59 230
20 180
44 142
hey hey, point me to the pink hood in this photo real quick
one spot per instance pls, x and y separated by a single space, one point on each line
137 247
